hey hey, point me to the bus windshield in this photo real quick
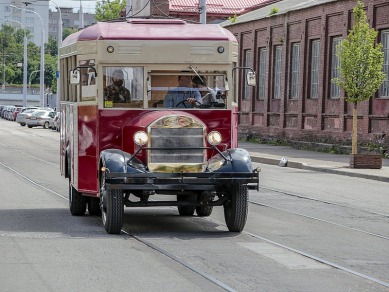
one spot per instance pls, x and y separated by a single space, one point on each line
125 87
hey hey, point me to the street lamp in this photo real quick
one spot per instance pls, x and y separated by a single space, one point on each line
59 45
24 61
42 64
29 83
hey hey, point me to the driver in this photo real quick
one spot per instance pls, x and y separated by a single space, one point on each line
184 96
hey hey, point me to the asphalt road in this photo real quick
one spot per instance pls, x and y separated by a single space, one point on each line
306 231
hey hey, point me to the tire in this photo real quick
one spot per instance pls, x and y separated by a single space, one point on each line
77 202
22 124
186 210
94 207
204 211
112 211
29 126
46 125
236 208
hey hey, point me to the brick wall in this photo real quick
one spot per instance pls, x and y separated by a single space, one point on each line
323 117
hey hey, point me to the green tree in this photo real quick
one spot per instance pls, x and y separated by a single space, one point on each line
107 10
68 31
51 47
50 69
361 65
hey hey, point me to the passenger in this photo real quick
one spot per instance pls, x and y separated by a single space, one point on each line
117 92
208 95
184 95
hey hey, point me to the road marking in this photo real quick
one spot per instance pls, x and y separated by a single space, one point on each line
282 256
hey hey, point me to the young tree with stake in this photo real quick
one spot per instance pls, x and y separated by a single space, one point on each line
361 65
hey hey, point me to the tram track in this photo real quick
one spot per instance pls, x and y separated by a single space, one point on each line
320 220
160 250
211 278
322 201
251 201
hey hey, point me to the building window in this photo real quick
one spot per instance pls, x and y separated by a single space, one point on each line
384 89
262 73
30 20
277 71
315 66
335 70
295 71
247 63
17 18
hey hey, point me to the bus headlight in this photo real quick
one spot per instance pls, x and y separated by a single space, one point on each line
141 138
214 138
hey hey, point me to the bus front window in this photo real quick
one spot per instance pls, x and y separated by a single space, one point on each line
123 87
186 90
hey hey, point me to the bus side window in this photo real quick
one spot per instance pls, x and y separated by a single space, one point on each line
123 87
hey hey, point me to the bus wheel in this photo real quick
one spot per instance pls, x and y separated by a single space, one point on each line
204 211
77 203
236 208
186 210
112 211
94 206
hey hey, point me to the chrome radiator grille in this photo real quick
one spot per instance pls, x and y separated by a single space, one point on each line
176 138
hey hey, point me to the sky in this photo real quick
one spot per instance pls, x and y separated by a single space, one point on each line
88 6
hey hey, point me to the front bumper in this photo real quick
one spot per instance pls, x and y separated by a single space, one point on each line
206 181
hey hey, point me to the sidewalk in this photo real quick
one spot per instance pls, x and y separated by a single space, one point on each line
311 160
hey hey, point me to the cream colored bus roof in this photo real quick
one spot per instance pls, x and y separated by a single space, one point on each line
151 29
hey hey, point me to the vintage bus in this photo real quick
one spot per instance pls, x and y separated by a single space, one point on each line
135 132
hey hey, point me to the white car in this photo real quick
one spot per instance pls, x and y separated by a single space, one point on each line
40 118
21 117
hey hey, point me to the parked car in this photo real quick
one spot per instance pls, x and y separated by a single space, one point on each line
7 112
56 122
40 118
21 118
15 112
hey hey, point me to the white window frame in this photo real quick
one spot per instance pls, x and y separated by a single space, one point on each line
335 67
295 71
247 63
262 63
315 69
277 72
384 88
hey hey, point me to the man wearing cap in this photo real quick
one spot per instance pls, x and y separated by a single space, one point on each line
117 92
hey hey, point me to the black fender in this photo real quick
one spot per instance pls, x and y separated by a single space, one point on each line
234 160
116 160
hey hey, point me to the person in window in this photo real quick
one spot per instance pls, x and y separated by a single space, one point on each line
184 96
208 95
117 92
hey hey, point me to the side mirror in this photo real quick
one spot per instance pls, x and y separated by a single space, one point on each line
74 77
251 79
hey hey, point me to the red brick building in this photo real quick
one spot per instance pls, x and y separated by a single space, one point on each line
217 10
291 45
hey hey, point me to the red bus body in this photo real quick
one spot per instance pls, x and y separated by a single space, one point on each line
190 150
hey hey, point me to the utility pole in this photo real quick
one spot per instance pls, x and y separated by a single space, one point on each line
128 8
203 11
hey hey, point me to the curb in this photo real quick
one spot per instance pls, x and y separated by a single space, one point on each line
337 170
